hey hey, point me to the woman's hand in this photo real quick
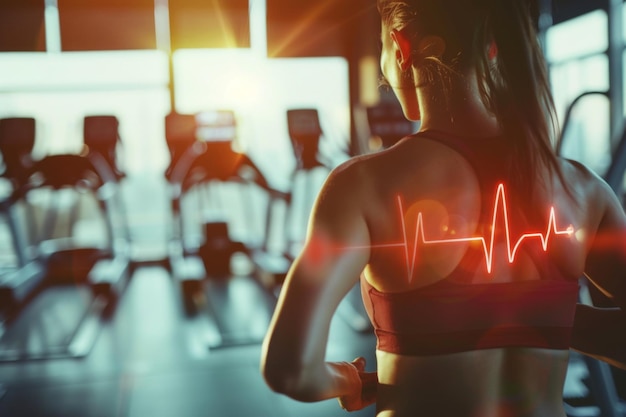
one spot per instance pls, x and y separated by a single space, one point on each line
366 395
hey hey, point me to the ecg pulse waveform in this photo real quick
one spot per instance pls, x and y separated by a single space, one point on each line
500 208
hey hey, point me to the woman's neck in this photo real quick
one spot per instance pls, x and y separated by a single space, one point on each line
456 108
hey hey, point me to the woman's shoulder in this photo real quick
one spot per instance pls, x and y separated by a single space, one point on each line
591 192
584 181
361 169
411 167
412 153
579 169
346 180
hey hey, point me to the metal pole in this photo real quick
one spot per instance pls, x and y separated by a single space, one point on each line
164 41
616 68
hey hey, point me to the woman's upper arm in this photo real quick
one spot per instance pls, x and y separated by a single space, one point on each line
605 265
334 254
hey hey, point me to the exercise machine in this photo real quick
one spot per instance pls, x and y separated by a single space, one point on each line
223 280
22 280
305 133
82 281
102 145
387 123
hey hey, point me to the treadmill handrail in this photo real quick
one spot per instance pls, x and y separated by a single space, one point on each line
568 115
615 173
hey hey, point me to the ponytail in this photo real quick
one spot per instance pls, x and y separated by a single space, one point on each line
516 90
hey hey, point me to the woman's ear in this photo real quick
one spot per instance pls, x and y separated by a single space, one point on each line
403 49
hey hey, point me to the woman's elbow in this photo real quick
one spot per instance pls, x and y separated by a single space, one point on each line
286 380
276 376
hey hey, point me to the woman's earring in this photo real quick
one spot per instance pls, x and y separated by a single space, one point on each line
493 51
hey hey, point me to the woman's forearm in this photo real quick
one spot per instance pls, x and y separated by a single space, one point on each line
600 333
334 379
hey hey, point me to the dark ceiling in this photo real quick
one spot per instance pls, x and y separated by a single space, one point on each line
21 25
563 10
296 28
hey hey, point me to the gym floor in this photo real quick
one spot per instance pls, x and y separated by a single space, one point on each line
149 360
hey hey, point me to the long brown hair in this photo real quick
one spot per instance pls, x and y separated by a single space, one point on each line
513 86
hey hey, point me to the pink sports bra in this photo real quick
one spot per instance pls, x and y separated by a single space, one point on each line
448 318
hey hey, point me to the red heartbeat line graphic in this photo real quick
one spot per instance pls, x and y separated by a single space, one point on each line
487 245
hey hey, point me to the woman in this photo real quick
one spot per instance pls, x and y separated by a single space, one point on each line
468 237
